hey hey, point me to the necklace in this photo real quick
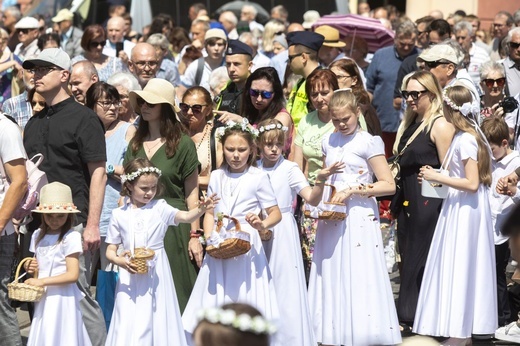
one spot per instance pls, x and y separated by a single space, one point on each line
148 148
207 129
232 183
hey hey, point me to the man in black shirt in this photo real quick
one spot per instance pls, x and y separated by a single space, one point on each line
71 138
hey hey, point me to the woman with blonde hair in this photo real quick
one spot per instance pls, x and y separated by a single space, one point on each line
422 139
272 28
458 293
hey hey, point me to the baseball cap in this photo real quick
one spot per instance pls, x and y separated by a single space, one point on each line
215 33
49 57
440 52
64 14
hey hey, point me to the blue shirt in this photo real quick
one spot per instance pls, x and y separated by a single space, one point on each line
381 77
19 108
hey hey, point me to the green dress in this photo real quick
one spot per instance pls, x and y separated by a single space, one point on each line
174 172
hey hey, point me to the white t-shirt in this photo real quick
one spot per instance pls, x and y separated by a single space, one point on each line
11 148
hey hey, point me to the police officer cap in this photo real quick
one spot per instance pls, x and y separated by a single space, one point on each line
308 39
238 47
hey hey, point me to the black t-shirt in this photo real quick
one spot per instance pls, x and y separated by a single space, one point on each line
69 135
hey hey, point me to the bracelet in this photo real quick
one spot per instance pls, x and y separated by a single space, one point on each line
319 181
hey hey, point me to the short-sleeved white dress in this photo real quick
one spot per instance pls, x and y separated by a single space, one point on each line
146 310
458 294
57 317
286 261
245 278
349 289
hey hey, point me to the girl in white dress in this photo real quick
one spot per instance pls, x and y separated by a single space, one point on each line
458 292
244 190
57 316
285 259
146 311
349 289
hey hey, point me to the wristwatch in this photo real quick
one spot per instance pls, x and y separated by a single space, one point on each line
110 169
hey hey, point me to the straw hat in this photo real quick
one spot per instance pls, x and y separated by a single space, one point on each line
56 198
331 36
156 91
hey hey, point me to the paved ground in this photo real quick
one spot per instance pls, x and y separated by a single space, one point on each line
23 316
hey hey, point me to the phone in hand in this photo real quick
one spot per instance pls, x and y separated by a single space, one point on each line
119 47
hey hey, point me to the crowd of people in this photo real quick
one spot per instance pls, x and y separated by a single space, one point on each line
180 144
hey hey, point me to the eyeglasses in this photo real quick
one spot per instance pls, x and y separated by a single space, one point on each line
342 77
514 45
265 94
413 94
95 44
107 104
143 64
491 82
434 64
42 71
291 57
196 109
140 102
24 31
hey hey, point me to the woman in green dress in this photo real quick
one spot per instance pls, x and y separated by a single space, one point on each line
161 138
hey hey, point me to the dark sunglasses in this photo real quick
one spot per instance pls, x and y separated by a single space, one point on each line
491 82
413 94
196 109
140 102
95 44
514 45
265 94
24 31
434 64
291 57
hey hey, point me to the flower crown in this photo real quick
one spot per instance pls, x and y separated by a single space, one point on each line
231 125
270 127
242 322
139 172
467 108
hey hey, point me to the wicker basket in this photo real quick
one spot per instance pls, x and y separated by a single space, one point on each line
21 291
333 212
140 259
230 247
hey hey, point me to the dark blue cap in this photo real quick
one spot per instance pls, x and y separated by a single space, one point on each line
309 39
238 47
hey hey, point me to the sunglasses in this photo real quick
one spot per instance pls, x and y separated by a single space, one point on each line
95 44
434 64
413 94
291 57
140 102
264 94
196 109
24 31
491 82
514 45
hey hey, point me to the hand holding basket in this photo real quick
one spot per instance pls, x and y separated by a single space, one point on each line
21 291
327 210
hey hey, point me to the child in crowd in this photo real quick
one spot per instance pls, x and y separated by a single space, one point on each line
285 259
232 325
146 310
349 290
505 161
458 291
244 191
57 316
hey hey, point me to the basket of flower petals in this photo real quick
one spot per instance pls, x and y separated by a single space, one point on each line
327 210
234 242
140 259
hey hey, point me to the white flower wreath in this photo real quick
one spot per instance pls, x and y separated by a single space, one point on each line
230 125
270 127
139 172
243 322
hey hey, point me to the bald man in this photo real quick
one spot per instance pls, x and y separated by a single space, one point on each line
115 37
144 63
83 75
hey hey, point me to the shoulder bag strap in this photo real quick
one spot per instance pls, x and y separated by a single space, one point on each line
200 70
415 134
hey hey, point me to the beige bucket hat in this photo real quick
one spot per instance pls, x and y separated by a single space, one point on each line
156 91
56 198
